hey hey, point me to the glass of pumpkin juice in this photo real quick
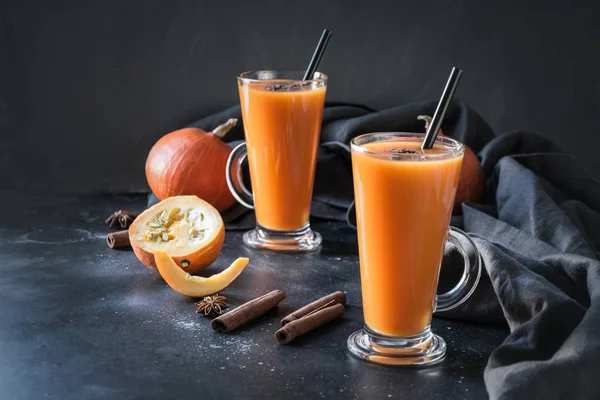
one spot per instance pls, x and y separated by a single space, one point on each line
282 117
404 198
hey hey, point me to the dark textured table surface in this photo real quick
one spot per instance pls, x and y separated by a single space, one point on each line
82 321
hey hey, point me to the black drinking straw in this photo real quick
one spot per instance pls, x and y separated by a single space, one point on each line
318 54
442 107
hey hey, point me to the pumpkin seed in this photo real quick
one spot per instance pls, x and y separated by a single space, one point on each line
174 213
158 227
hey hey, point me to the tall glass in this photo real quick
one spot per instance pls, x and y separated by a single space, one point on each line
282 117
404 199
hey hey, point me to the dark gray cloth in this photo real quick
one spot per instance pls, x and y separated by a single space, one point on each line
538 233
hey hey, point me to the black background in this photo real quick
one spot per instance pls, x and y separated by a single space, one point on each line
86 87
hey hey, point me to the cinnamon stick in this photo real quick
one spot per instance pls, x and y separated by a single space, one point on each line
118 240
331 299
247 312
299 327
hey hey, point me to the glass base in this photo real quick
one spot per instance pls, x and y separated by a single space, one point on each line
414 351
301 240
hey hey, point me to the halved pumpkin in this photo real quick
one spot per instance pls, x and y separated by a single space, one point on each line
187 228
196 286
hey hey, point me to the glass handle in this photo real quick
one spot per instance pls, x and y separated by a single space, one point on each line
472 271
235 179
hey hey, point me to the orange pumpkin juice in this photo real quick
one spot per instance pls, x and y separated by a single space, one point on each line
403 206
282 127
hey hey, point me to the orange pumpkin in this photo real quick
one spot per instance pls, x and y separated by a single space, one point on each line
471 184
191 161
196 286
188 229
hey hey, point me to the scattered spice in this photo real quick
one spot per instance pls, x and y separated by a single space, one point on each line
247 312
403 151
212 306
307 323
293 87
118 240
329 300
123 217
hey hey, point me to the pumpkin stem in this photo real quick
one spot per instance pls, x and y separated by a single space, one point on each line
427 120
221 130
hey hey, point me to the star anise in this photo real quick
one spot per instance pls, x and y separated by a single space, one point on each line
123 217
212 306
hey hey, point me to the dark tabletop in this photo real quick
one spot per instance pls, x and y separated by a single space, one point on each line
82 321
